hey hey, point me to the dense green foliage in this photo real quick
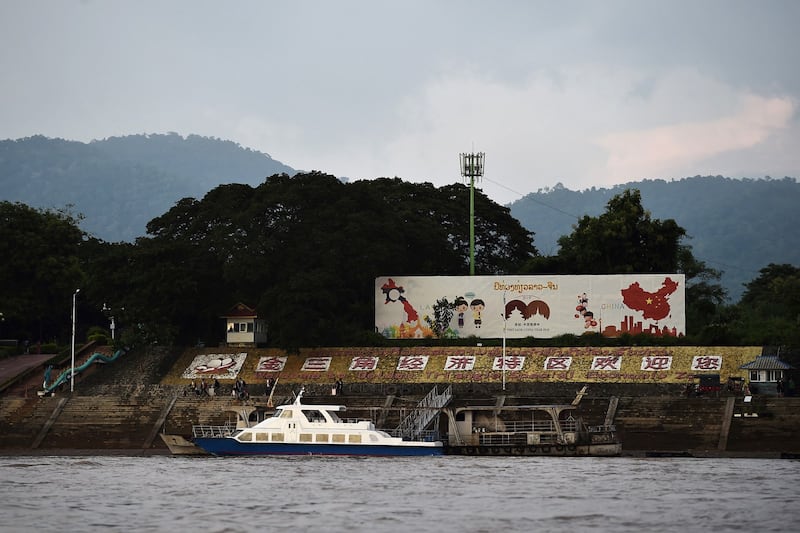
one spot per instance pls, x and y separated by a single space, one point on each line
625 239
39 271
305 250
769 312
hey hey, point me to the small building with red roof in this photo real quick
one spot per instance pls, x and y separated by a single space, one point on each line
243 327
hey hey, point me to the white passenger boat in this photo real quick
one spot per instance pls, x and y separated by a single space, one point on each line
307 429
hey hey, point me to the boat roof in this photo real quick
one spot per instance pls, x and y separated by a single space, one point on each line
298 404
561 406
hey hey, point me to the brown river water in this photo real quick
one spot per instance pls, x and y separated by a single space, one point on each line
436 494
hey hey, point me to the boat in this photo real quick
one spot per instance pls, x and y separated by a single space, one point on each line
529 430
308 429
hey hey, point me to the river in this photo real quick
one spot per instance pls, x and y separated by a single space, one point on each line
429 494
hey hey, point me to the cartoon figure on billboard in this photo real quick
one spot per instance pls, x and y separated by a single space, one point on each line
477 307
583 311
461 307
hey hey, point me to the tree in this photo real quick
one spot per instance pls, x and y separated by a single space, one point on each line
40 269
705 298
306 249
622 240
443 311
769 311
625 239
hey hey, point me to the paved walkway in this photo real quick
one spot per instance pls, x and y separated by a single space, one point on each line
13 366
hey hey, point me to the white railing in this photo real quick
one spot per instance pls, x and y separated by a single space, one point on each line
212 431
535 426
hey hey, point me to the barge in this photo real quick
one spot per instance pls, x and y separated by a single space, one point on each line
528 430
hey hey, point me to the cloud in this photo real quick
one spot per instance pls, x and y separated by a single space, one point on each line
581 125
596 96
584 126
662 150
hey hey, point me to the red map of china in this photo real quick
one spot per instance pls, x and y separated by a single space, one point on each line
653 305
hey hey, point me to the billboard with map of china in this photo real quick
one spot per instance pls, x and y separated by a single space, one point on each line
529 306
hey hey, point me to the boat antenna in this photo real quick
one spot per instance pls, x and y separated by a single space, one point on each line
299 395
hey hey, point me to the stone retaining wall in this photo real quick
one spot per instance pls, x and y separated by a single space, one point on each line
128 419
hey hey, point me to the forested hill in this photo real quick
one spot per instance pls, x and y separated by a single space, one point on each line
121 183
736 226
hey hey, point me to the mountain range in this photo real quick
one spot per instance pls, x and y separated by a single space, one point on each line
121 183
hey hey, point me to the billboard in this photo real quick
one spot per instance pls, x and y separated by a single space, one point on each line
529 306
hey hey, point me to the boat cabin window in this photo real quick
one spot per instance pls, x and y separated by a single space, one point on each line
245 436
261 437
322 437
337 438
286 413
313 415
276 437
305 437
354 438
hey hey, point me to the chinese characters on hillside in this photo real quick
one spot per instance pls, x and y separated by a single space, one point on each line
227 366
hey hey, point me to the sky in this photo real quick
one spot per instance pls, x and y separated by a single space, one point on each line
586 93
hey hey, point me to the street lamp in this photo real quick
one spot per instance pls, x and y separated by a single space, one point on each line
472 167
72 374
505 320
107 310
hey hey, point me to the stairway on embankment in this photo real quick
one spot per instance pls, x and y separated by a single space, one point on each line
130 419
709 425
22 419
766 423
670 424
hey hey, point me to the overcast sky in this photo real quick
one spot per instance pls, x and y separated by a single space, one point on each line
586 93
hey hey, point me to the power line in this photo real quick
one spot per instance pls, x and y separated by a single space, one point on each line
531 198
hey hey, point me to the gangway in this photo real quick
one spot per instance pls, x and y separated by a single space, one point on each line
412 427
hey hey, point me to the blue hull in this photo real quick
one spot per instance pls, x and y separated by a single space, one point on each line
228 446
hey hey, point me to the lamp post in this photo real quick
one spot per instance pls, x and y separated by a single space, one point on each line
472 167
72 373
112 326
505 320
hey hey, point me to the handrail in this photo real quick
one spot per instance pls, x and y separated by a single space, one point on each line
204 430
66 374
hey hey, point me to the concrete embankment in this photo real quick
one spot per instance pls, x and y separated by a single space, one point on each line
128 420
122 407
